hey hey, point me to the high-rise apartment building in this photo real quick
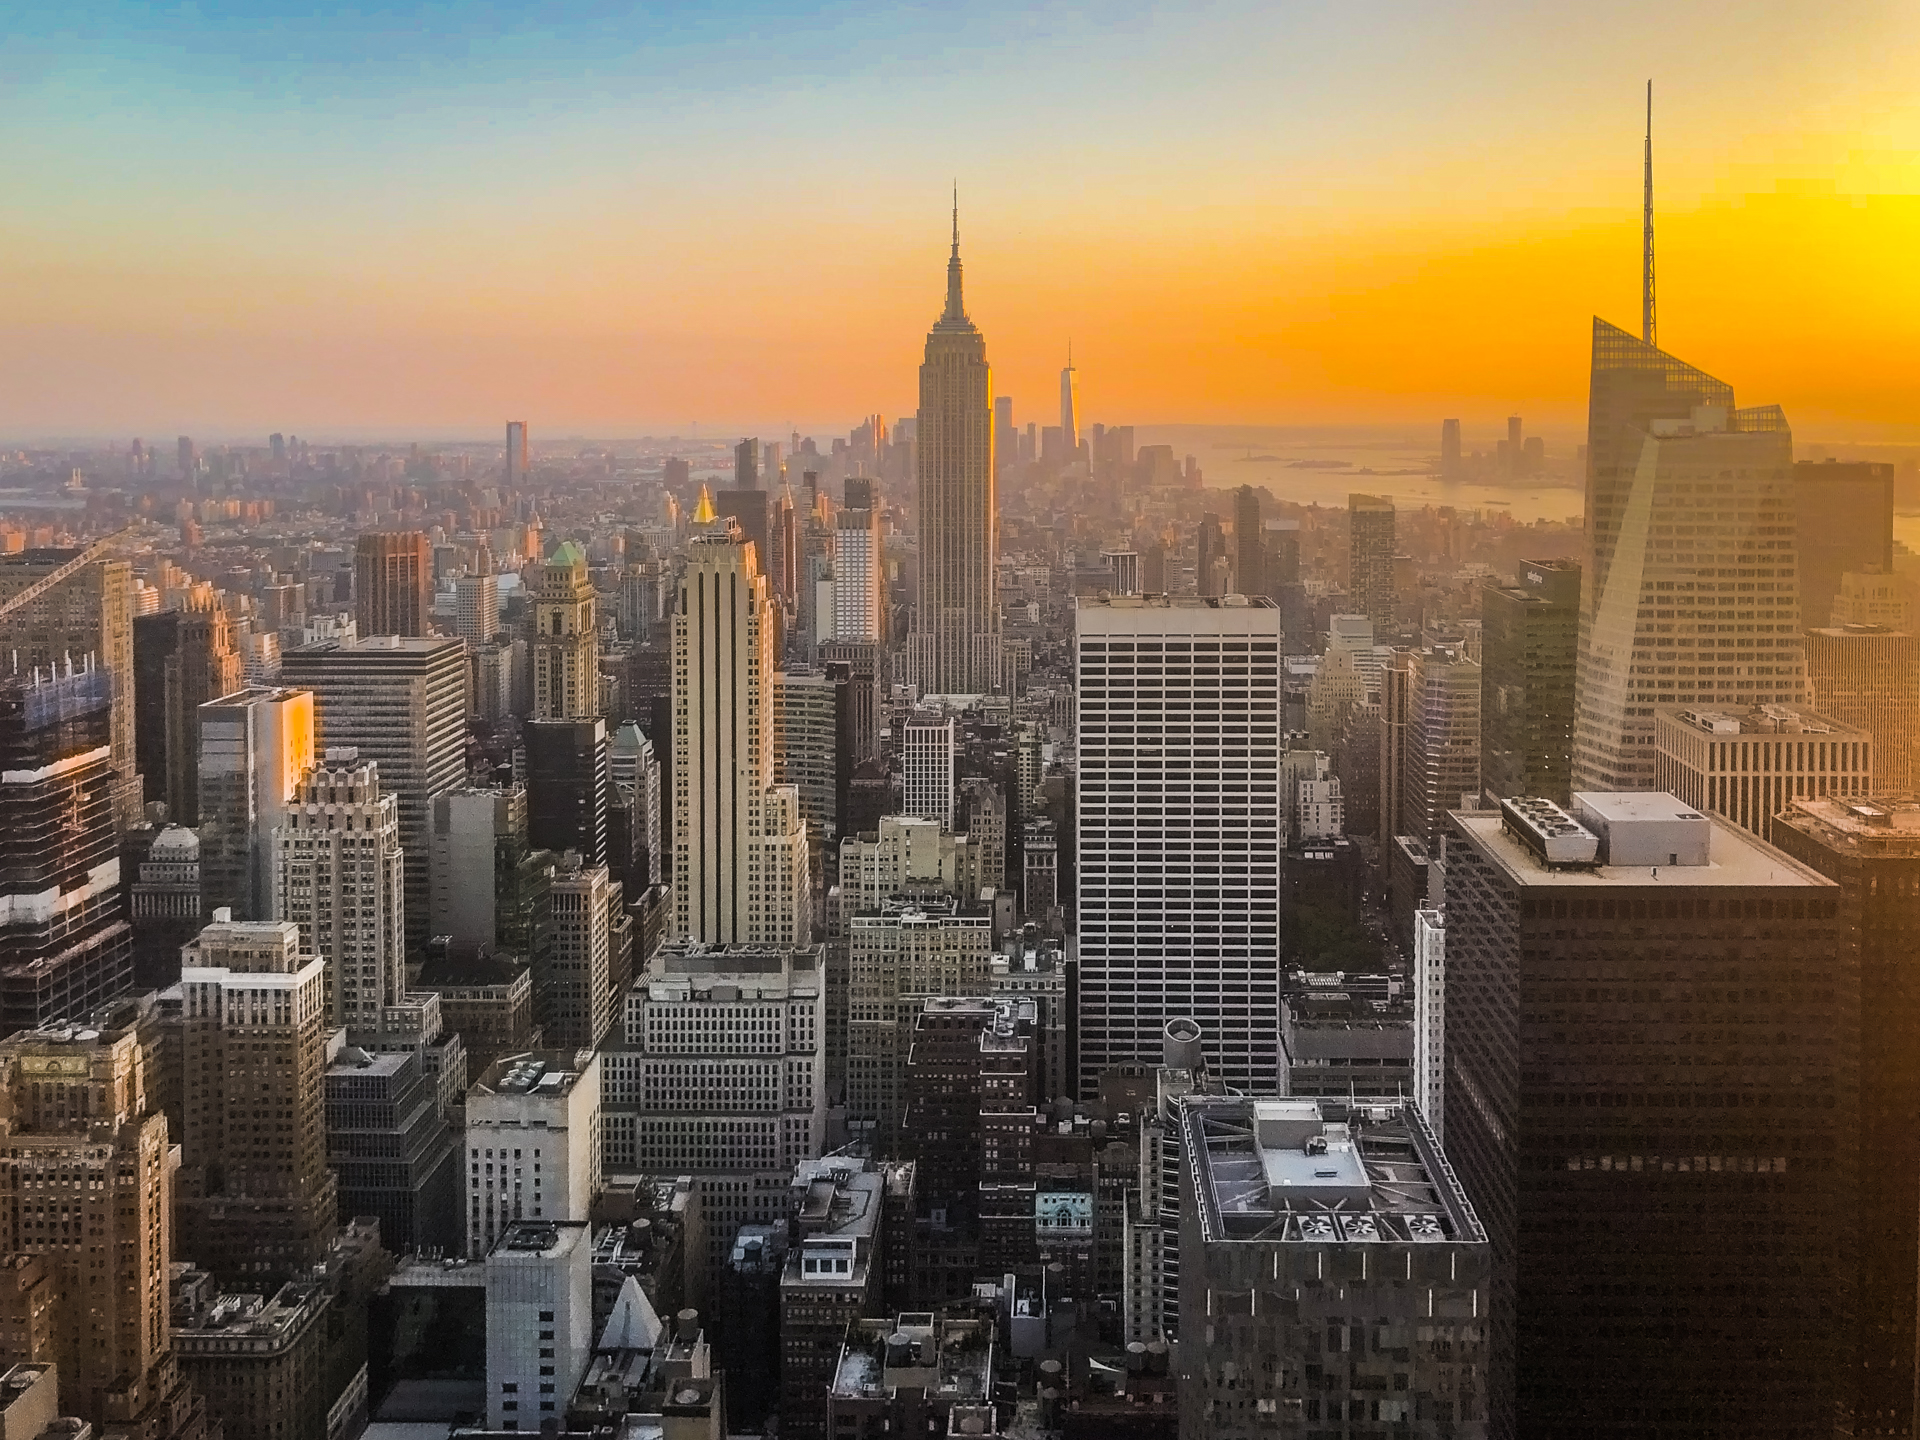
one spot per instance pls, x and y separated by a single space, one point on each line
1869 677
928 752
338 875
255 1199
1370 550
86 1198
476 608
1249 549
255 744
533 1143
569 771
1690 596
954 645
392 583
740 846
1751 765
859 579
1286 1193
1529 640
1614 1143
65 945
402 704
181 660
88 613
720 1073
1871 850
566 638
1843 515
1180 831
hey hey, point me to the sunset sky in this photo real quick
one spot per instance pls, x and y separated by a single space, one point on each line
419 218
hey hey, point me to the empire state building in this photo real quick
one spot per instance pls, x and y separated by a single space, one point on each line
954 646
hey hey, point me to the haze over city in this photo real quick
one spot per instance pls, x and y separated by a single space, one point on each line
621 220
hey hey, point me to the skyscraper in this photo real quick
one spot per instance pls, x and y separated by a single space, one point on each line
516 468
1619 1151
338 876
88 613
739 844
568 772
1209 547
1869 676
1871 850
256 1199
859 585
88 1142
1070 409
255 744
927 754
392 583
402 704
1180 832
1845 519
1370 546
954 646
181 660
1249 553
476 610
1690 597
1449 447
65 945
566 638
1529 637
746 466
1441 770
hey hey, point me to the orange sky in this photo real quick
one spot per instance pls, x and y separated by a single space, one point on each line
1385 232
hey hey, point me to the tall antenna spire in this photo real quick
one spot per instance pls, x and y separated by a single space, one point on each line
956 311
956 184
1648 331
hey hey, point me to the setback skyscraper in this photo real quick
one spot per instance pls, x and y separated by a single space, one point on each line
566 639
739 844
954 646
1690 595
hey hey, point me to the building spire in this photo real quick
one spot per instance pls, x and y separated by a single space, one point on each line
1648 332
956 311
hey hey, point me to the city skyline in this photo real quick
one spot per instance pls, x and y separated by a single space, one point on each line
1243 260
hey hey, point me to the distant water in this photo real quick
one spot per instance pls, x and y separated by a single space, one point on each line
1324 466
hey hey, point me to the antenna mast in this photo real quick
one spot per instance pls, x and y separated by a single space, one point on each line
1647 330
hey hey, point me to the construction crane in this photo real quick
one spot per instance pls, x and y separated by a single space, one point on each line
66 571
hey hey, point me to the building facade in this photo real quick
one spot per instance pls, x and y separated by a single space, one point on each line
255 744
1529 641
1868 677
1180 831
1690 591
533 1143
953 647
392 583
1751 765
566 638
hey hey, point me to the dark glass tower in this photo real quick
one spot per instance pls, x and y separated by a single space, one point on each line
569 772
1650 1076
1530 637
65 945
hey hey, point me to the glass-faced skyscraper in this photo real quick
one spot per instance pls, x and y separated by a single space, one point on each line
954 647
1690 596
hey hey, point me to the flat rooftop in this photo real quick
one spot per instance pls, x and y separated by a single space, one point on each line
1755 720
1737 857
1304 1171
542 1073
1882 825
